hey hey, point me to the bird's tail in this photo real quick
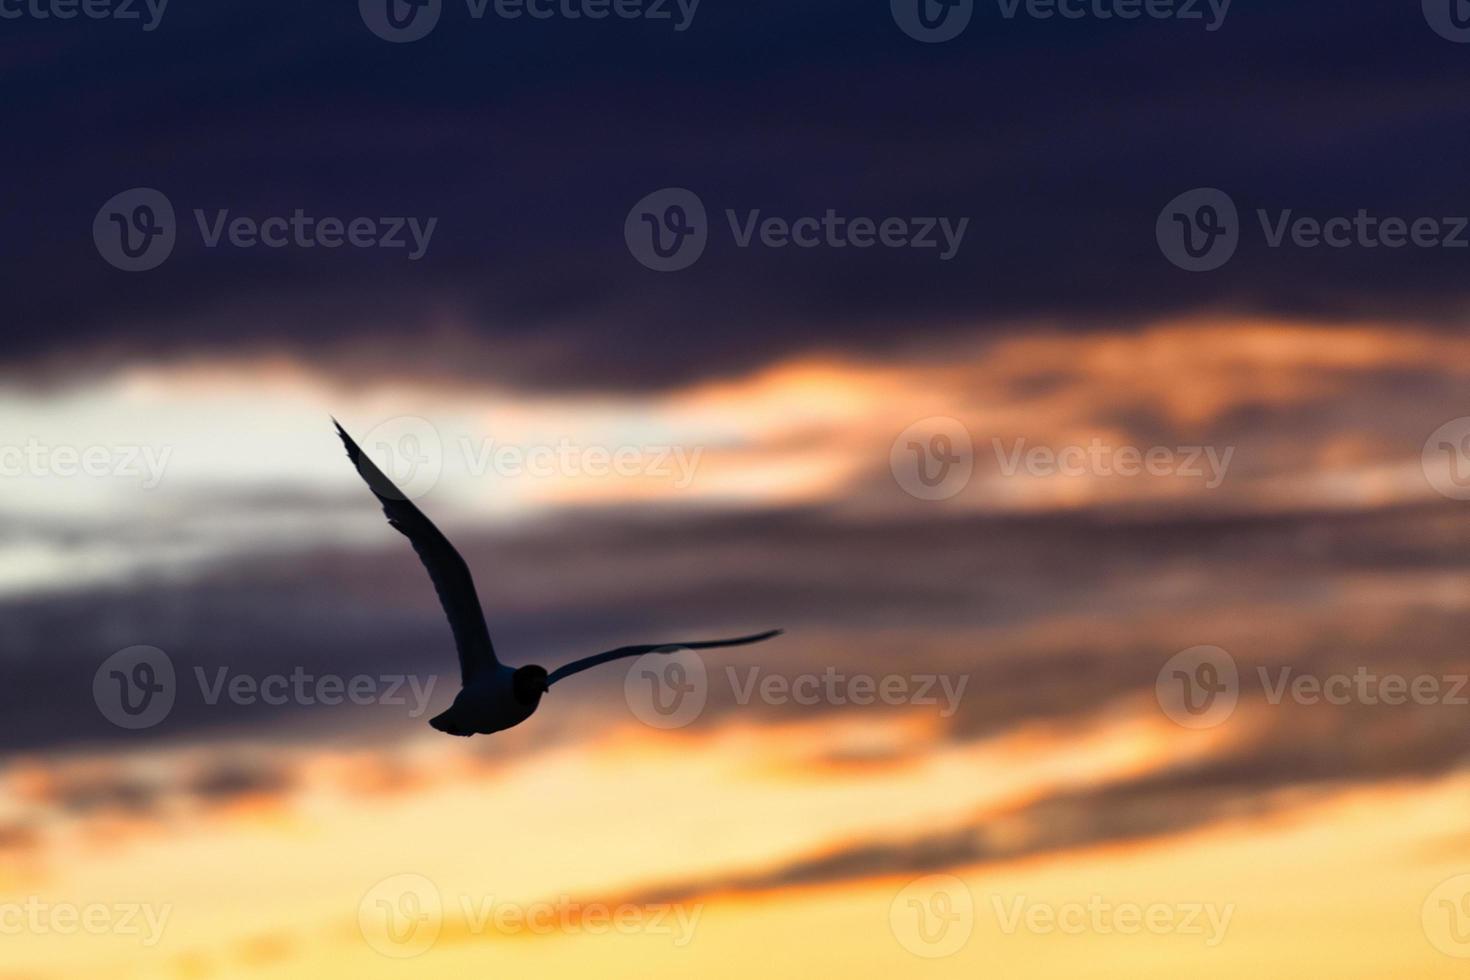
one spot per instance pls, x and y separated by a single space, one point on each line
444 723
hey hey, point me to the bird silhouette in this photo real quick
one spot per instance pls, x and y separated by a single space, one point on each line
493 696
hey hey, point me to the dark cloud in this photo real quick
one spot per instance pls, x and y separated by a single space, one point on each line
1050 616
1269 777
530 141
90 786
1056 824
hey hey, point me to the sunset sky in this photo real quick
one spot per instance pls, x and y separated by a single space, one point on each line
1009 506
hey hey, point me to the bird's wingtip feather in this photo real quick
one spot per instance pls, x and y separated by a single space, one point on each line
346 440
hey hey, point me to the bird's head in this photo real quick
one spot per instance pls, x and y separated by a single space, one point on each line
529 683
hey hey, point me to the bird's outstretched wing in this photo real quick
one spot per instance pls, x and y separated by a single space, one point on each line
601 658
447 570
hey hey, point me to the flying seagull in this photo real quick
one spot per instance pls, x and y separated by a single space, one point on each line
493 695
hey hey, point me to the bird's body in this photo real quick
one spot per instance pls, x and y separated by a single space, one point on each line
493 696
490 703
